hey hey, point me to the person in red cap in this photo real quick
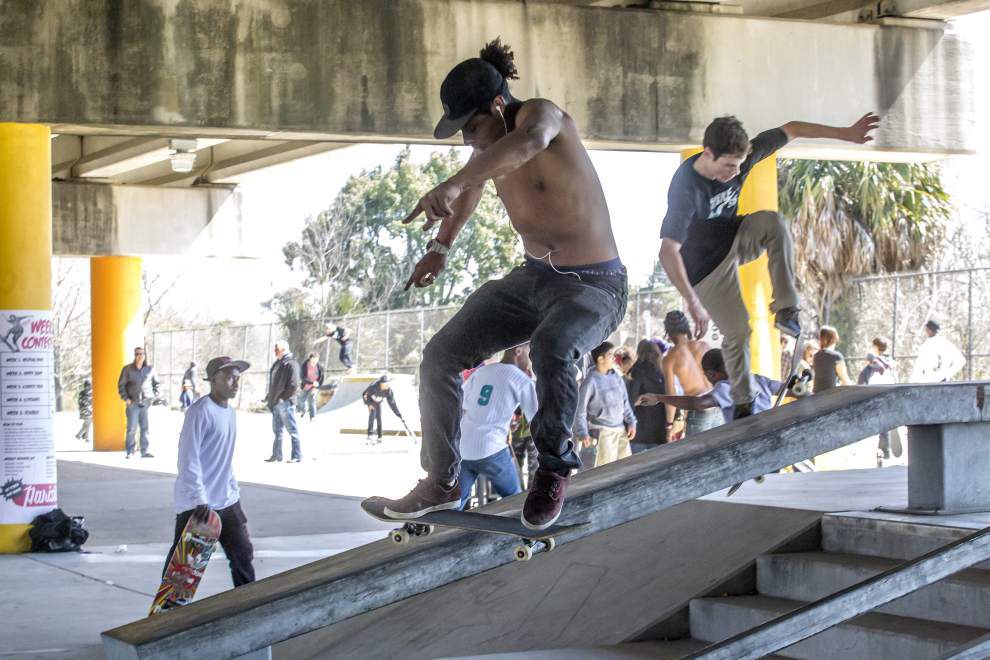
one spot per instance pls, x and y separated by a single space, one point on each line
565 299
205 480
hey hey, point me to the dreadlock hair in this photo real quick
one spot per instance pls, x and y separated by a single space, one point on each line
501 57
676 323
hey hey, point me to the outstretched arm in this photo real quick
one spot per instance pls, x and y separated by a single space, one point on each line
702 402
858 132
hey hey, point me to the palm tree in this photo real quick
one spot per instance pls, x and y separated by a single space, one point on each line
852 218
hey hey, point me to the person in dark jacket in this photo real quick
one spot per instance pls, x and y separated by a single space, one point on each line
340 335
312 379
190 377
646 377
138 387
373 396
85 401
283 383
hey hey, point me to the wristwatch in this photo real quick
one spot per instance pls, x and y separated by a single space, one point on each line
436 246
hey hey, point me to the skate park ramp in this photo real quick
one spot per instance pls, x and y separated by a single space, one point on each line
638 551
346 409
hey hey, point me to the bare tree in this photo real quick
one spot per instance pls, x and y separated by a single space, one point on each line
70 318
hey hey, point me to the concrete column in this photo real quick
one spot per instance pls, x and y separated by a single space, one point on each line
26 293
115 285
759 193
948 469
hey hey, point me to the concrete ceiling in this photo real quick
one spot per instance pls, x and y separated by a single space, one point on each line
146 160
838 10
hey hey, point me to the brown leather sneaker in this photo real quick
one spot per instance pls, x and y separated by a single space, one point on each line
545 499
428 495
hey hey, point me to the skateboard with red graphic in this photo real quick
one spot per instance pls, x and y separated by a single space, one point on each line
187 564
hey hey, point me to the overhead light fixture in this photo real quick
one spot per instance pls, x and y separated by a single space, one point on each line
182 153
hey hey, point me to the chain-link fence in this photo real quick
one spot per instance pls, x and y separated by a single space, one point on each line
895 306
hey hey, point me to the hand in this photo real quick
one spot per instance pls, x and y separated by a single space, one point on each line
700 316
436 204
201 513
859 132
370 407
128 401
648 400
631 433
586 441
426 271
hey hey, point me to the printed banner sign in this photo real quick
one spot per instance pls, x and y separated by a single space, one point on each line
27 407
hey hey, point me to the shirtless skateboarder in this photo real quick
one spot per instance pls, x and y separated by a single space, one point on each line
565 299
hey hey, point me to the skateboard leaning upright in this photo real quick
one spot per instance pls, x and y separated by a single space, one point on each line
533 540
796 383
187 563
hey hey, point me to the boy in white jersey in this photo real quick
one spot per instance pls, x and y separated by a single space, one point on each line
491 395
205 479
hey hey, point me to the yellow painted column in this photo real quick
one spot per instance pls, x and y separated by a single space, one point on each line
27 465
115 293
759 193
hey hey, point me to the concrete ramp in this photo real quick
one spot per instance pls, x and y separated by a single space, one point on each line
381 574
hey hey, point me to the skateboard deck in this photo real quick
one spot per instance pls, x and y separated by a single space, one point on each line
795 382
534 540
187 564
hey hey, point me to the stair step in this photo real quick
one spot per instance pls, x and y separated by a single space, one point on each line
963 598
867 637
906 538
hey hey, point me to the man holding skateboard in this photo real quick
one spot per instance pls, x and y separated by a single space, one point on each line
205 481
567 297
705 240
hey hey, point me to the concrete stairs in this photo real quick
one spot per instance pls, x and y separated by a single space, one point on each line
926 624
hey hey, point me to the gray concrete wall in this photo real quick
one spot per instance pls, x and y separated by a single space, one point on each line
345 70
93 219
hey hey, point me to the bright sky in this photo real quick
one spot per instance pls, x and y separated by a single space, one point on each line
278 200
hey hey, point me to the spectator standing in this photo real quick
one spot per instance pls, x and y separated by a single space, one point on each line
938 358
312 379
283 384
807 359
190 377
646 377
138 386
623 362
373 397
205 480
682 367
187 397
603 410
828 364
524 448
490 397
85 402
881 369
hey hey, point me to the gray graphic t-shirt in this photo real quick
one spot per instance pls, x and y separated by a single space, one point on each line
702 214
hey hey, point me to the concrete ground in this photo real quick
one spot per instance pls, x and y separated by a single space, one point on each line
56 605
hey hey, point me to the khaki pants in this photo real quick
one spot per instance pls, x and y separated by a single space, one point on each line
719 292
613 444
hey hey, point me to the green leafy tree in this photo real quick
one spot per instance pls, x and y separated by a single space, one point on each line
859 218
357 254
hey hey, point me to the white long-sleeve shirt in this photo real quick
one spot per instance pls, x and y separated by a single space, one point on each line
491 396
938 361
206 449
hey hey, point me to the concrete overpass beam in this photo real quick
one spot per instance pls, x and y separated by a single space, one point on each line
94 219
632 78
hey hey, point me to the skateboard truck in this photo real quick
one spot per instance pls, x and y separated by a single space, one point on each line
522 552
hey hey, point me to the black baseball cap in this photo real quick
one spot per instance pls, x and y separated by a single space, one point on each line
218 363
933 325
470 86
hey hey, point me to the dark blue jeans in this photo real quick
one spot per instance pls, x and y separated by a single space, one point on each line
137 418
500 470
561 316
284 417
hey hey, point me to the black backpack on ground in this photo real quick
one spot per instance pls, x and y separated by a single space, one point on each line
56 532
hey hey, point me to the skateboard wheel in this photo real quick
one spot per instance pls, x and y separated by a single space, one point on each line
429 529
551 544
523 553
760 479
800 389
399 536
